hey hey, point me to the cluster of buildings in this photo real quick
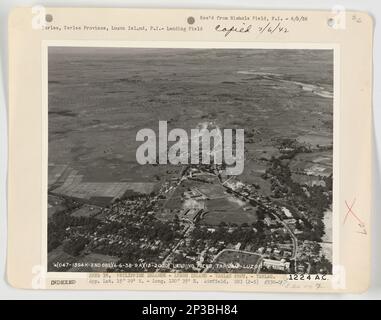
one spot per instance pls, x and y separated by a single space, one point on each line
279 265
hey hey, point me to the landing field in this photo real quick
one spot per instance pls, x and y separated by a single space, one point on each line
228 210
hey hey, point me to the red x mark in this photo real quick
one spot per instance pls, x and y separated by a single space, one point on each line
350 211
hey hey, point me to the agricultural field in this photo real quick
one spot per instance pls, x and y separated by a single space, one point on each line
69 183
87 211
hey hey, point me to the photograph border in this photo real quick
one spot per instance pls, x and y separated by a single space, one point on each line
190 45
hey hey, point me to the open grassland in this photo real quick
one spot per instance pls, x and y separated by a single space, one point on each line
116 92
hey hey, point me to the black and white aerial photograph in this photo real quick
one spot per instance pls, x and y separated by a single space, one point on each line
178 160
